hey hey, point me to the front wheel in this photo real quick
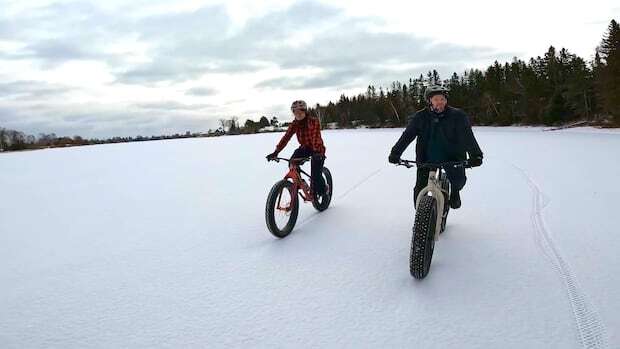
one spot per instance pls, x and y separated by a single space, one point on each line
322 203
281 209
423 239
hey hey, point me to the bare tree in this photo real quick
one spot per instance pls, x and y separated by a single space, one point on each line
223 124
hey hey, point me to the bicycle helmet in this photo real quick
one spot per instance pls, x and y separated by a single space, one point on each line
435 90
299 105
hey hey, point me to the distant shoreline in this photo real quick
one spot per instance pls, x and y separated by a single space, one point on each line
592 129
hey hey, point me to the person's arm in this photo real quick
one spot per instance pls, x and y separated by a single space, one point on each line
287 137
471 145
317 140
406 138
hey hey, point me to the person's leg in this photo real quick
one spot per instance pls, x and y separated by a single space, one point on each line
316 172
457 178
420 183
301 152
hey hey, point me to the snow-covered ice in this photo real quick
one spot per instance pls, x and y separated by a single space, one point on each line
164 244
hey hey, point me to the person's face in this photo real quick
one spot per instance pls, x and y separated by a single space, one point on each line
299 114
439 102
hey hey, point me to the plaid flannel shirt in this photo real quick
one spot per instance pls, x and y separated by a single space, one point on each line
308 133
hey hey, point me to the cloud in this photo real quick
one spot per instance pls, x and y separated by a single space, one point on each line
31 90
183 46
57 51
170 70
61 32
201 91
355 75
305 35
101 121
172 105
342 77
146 48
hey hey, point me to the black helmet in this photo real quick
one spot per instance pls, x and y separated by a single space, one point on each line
435 90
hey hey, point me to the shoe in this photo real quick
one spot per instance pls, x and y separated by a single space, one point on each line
455 200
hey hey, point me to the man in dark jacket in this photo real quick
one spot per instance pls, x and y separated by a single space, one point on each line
444 134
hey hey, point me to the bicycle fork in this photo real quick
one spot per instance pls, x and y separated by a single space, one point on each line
434 188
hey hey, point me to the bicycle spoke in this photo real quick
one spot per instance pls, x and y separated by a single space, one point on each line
282 212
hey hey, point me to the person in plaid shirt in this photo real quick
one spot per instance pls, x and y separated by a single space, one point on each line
308 131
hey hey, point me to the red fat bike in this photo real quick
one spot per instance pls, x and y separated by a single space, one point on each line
283 200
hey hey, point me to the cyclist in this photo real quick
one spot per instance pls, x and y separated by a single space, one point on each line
308 131
444 134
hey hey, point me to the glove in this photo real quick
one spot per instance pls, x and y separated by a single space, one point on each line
272 156
394 159
475 161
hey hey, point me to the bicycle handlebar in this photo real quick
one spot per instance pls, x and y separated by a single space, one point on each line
300 161
410 164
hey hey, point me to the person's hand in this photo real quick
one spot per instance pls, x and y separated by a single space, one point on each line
272 156
475 161
394 159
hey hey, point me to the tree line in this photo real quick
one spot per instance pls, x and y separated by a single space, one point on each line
12 140
556 88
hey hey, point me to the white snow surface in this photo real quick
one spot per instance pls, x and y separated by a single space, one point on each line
164 244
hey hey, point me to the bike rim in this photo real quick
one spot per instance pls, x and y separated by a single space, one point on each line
283 208
430 241
328 189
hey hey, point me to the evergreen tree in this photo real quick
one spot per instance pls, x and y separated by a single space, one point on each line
263 122
608 76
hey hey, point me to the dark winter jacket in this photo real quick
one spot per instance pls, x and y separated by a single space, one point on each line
453 132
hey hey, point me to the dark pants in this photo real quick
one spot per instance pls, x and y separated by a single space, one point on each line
456 176
316 168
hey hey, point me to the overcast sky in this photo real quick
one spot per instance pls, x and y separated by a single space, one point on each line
145 67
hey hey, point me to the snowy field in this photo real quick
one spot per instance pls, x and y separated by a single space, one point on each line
164 244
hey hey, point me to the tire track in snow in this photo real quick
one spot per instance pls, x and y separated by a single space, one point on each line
358 184
590 327
347 192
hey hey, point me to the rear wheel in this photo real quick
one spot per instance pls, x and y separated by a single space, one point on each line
423 239
321 203
281 209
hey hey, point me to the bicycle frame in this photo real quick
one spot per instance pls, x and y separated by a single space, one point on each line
294 174
434 187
